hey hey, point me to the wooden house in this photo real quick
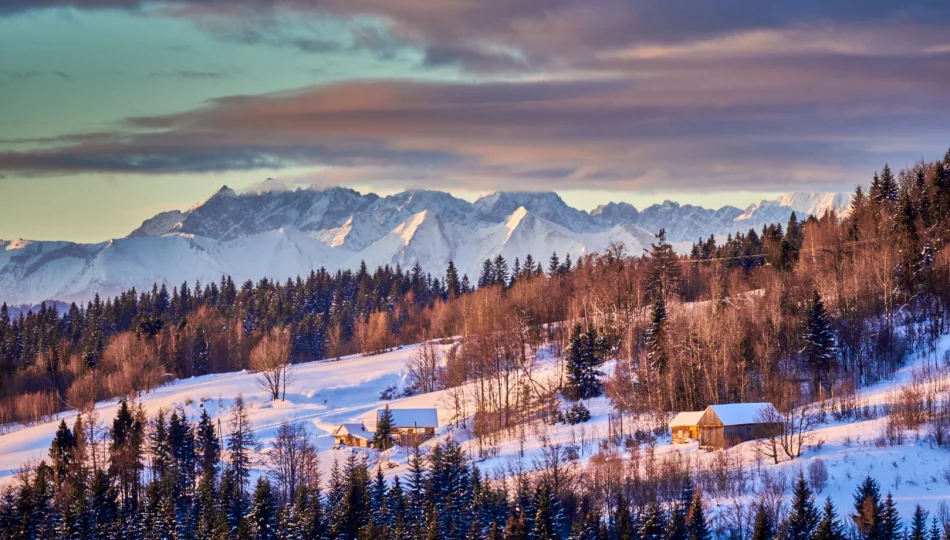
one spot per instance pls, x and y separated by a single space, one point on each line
685 426
412 426
722 426
354 435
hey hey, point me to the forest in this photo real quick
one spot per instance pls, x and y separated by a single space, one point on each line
802 315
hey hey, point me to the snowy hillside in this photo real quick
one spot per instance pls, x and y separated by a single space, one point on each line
272 231
326 394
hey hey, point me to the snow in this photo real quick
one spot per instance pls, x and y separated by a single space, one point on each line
737 414
271 231
324 395
689 418
407 418
355 429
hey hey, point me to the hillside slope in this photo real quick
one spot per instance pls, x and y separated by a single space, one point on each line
325 394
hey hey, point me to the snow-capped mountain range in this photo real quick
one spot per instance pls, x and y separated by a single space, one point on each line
273 231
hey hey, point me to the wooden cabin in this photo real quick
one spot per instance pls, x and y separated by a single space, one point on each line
685 426
412 426
722 426
354 435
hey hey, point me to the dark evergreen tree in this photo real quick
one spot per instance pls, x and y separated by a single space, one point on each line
588 350
763 526
384 429
820 346
829 528
263 516
656 336
696 527
868 509
918 526
802 518
891 526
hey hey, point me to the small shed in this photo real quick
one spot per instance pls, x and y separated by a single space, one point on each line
722 426
354 435
685 426
413 425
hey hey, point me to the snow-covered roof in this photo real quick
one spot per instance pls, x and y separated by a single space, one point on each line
688 418
356 430
406 418
735 414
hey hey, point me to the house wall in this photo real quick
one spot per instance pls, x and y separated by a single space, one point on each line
725 436
684 434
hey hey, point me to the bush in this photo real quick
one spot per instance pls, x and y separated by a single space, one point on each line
577 414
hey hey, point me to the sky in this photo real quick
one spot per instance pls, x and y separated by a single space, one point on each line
114 110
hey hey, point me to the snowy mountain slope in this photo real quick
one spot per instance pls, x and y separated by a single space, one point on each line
325 394
273 231
817 204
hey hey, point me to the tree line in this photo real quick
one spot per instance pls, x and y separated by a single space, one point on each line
169 477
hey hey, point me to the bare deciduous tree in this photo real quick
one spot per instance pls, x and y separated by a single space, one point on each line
271 359
293 460
423 366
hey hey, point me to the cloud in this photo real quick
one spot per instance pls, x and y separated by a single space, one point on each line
190 74
746 122
493 35
608 94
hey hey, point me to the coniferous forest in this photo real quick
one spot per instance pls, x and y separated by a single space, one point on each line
802 315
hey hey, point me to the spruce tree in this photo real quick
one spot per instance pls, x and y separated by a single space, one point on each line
868 509
656 336
696 526
918 526
829 528
935 530
623 523
820 347
763 527
263 515
891 526
653 522
384 429
802 518
586 354
241 444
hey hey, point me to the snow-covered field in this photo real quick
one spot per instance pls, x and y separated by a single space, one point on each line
325 394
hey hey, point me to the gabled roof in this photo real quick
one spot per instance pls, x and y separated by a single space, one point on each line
356 430
688 418
407 418
736 414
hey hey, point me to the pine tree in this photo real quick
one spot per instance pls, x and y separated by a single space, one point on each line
586 354
544 520
829 528
515 528
623 523
241 444
763 527
208 445
487 276
935 530
652 523
696 526
500 271
891 526
656 336
868 509
820 347
554 265
664 271
802 518
453 285
263 515
61 453
918 527
384 428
